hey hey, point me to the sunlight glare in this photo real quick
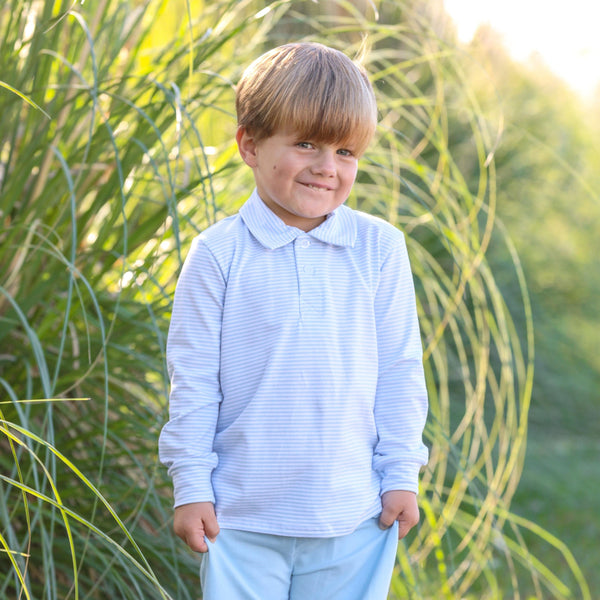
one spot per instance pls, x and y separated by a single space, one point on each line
563 35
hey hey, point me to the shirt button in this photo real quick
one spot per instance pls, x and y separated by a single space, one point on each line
305 243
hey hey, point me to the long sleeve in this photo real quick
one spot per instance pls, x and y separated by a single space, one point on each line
401 399
193 359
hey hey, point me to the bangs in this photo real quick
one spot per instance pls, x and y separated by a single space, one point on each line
310 90
323 112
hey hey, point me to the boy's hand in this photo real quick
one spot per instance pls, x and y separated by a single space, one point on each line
192 522
399 506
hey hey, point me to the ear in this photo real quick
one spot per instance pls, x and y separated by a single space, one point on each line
247 146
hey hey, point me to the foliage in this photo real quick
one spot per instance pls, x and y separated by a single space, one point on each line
549 161
548 168
99 200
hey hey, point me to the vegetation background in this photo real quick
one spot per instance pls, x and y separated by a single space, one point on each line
116 129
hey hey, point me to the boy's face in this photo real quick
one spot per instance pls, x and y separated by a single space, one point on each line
299 180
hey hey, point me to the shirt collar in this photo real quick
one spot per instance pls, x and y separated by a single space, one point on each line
338 229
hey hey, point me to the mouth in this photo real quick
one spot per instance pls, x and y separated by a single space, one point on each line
317 188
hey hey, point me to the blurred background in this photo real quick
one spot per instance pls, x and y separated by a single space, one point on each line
544 61
117 147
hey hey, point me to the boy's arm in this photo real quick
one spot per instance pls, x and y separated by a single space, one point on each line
193 360
401 400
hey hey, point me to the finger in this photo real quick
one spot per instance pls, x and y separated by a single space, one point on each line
212 529
195 540
387 518
406 521
403 529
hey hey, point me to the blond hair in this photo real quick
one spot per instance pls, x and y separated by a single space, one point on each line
311 90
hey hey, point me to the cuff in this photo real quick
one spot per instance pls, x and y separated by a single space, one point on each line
191 486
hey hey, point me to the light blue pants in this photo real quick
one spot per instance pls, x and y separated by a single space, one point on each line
242 565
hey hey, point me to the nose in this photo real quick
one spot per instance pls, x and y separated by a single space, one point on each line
325 164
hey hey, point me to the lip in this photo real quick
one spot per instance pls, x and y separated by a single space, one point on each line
318 187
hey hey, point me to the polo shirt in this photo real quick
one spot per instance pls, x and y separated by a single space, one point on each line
297 389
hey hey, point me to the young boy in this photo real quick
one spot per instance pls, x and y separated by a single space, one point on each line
297 392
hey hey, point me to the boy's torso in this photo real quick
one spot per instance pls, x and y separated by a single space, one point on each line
298 376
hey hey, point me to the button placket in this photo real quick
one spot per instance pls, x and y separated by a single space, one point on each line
309 296
303 268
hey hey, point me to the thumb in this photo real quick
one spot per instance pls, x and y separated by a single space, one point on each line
194 538
211 527
387 517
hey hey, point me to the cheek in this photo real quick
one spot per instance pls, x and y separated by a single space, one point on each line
280 172
349 178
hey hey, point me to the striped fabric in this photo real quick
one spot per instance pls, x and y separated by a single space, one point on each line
297 388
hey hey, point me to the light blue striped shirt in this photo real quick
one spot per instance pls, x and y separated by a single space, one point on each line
297 388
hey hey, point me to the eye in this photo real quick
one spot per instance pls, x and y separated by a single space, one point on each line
306 145
345 152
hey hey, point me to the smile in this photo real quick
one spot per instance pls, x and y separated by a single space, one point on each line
316 187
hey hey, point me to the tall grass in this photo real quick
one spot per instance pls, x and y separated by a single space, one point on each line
115 149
